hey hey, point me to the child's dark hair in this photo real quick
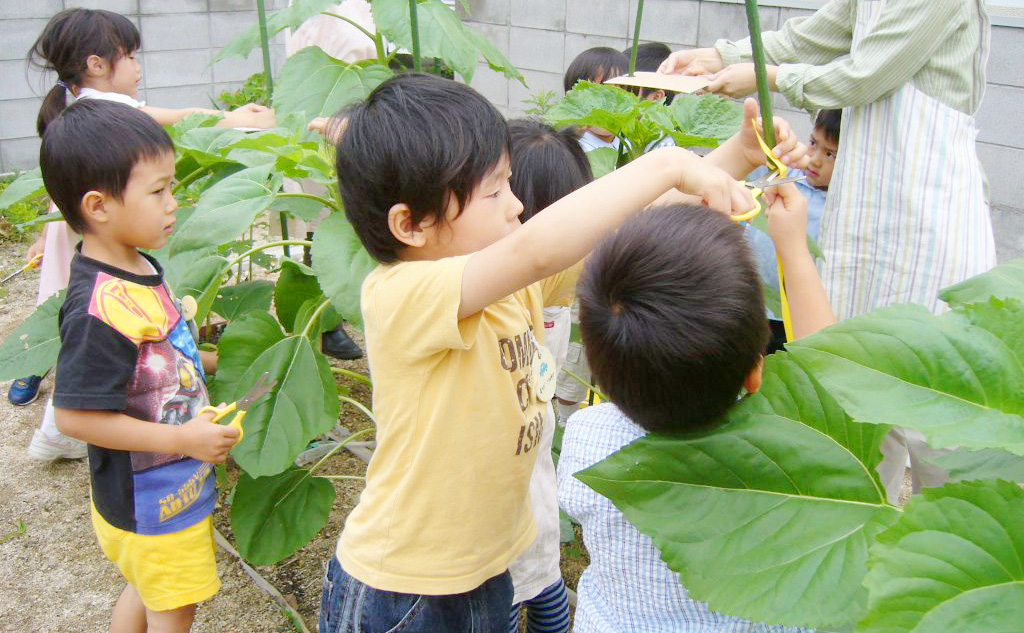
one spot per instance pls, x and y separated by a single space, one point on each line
93 146
672 317
649 56
66 43
829 121
417 139
547 164
595 64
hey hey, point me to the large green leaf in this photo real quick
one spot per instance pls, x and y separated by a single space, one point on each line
1004 281
989 463
208 145
295 285
602 160
27 185
301 405
764 517
706 116
32 349
290 17
957 383
234 301
202 281
227 209
238 348
316 84
341 263
953 563
590 104
272 517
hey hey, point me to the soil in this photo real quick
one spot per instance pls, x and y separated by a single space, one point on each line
53 576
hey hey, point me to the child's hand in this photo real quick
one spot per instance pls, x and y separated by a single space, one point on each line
716 188
789 148
251 115
206 440
36 248
329 127
787 218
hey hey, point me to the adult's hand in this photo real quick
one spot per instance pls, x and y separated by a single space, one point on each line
739 80
697 61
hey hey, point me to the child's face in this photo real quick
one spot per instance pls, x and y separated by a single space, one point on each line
822 155
125 75
491 213
144 216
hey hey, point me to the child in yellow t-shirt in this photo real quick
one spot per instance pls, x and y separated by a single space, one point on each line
454 336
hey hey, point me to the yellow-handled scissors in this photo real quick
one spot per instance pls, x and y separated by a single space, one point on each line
32 263
757 188
262 385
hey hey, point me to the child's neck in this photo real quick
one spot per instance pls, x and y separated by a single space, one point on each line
114 254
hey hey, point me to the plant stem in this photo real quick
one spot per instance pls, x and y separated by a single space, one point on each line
262 247
352 22
351 374
189 179
313 318
414 24
378 43
265 45
341 445
352 477
636 37
585 383
359 405
309 196
764 95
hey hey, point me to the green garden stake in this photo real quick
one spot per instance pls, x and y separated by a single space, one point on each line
636 37
764 96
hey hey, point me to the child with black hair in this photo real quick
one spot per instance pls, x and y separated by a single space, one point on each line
547 165
130 381
92 52
596 64
673 321
455 345
649 57
821 153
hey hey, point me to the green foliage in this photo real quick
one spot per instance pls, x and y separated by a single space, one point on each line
21 202
989 463
540 102
314 83
272 517
341 263
234 301
254 90
32 348
1005 281
240 345
290 17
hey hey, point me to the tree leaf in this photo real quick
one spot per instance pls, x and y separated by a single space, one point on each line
234 301
208 145
989 463
27 185
954 562
295 286
729 512
707 116
316 84
1003 281
597 105
303 208
239 346
494 57
273 517
32 348
227 209
958 384
602 160
341 263
290 17
202 281
301 405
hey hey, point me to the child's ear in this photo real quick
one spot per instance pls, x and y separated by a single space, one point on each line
96 66
401 224
92 208
753 380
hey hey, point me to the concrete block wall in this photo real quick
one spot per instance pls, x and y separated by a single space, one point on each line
179 40
541 37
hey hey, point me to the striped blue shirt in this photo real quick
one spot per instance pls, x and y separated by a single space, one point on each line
627 588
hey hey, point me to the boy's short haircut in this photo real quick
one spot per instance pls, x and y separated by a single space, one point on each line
547 164
595 64
672 317
93 146
417 139
829 121
649 56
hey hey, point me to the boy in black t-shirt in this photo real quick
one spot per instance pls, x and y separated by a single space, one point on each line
130 380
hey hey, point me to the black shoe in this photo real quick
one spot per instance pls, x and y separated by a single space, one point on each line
336 343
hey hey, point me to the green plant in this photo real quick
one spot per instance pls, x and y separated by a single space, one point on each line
540 102
15 217
254 90
779 514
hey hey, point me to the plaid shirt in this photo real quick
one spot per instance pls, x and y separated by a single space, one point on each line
627 587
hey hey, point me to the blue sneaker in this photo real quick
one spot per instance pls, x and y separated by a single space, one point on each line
24 390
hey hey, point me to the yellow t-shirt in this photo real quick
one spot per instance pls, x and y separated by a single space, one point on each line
445 505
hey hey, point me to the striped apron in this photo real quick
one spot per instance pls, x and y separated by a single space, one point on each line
906 213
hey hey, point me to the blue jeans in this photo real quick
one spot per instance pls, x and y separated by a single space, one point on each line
349 606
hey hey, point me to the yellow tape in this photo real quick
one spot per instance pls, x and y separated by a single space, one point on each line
776 164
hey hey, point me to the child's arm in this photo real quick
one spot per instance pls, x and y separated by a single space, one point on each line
209 361
249 115
199 437
742 154
568 229
787 220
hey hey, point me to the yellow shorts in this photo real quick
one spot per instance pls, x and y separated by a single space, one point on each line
168 570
